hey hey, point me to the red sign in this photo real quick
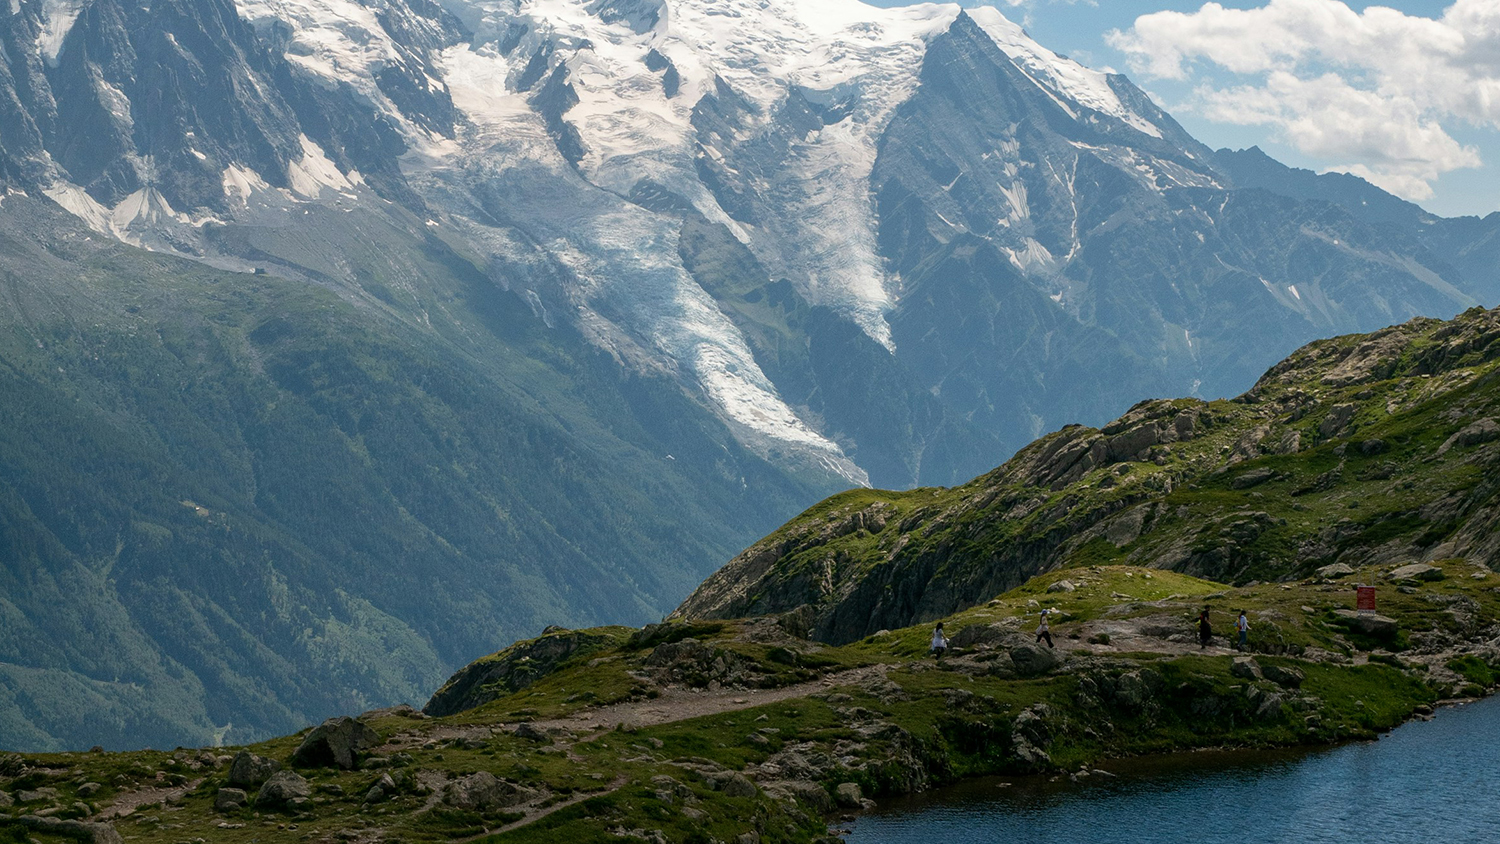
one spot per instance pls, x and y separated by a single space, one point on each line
1364 598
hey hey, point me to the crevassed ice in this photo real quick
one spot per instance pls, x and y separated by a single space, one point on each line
623 258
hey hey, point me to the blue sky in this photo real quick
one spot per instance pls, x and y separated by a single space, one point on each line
1405 93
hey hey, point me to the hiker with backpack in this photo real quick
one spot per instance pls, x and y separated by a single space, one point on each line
1043 631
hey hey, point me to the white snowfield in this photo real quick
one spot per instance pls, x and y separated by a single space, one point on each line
811 217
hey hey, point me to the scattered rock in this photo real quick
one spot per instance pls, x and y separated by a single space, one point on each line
484 792
848 795
1368 623
531 732
382 789
1267 704
1254 477
1062 586
1478 433
739 786
1284 676
89 789
808 792
93 833
335 743
1032 660
250 771
37 795
6 801
1417 571
282 791
1338 419
229 799
1335 570
1246 668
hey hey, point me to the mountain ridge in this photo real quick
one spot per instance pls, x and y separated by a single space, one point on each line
868 560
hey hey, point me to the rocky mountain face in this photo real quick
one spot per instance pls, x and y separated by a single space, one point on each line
592 292
1361 450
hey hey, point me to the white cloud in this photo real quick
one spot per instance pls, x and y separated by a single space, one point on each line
1368 92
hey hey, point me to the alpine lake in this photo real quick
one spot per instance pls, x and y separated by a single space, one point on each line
1433 781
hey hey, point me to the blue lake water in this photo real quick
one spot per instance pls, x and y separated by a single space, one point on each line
1437 781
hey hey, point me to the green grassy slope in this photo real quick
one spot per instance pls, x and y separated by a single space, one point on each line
1360 449
710 730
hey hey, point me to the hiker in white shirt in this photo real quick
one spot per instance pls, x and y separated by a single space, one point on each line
939 641
1242 624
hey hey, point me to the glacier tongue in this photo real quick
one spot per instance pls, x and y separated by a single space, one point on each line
628 280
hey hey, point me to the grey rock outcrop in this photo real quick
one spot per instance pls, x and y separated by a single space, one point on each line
85 831
1284 676
1369 624
510 670
1334 570
1417 571
284 790
335 743
250 771
229 799
484 792
1032 660
1245 668
849 795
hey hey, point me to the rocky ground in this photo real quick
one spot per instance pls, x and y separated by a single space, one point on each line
745 731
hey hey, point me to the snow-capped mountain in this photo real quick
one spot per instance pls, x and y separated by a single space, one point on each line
842 147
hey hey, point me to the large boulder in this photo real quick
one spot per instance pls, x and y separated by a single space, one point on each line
250 771
1245 668
1417 571
1369 624
1334 570
485 792
1284 676
1032 660
284 790
229 799
335 743
91 833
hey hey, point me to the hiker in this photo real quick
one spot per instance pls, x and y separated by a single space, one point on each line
1043 632
1205 632
939 641
1243 625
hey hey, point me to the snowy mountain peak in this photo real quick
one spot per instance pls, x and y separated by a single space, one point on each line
1061 76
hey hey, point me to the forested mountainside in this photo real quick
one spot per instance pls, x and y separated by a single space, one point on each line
234 503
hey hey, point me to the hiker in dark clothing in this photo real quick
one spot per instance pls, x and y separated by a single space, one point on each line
1205 632
1043 632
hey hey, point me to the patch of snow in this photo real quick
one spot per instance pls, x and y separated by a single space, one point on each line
1053 73
312 172
58 17
242 183
1293 289
76 201
1031 257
